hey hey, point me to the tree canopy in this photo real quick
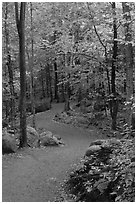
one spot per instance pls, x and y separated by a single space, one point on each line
72 50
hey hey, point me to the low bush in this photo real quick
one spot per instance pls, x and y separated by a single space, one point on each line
106 174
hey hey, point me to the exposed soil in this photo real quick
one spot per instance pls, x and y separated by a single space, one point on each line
36 175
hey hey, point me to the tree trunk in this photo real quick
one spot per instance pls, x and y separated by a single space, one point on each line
56 83
114 102
62 90
10 70
47 80
67 103
129 58
32 77
20 22
67 93
107 71
42 85
30 62
50 85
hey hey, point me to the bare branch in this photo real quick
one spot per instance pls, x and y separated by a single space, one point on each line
95 27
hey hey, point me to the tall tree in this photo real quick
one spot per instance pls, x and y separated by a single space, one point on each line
129 56
56 82
20 23
56 73
114 102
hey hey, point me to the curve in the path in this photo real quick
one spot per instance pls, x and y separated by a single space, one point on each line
34 175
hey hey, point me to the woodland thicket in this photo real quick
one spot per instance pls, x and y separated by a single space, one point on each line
62 52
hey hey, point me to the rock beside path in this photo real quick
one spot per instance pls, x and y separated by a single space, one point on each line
48 139
92 149
32 137
9 144
10 141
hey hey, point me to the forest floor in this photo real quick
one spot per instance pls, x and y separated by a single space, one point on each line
36 175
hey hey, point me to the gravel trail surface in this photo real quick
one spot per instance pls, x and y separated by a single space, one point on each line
35 175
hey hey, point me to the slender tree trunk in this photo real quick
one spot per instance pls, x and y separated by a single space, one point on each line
56 82
114 102
10 70
56 97
32 75
62 89
129 59
20 21
107 71
30 61
50 85
47 80
42 86
67 102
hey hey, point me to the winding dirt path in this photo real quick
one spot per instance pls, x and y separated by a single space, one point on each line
35 175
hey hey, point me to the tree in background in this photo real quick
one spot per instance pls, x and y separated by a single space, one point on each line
10 68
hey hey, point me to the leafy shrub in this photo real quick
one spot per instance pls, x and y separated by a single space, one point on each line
106 175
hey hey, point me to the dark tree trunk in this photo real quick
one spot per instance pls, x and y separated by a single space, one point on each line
42 86
62 90
20 21
67 102
79 94
114 102
47 81
67 89
56 83
10 70
50 86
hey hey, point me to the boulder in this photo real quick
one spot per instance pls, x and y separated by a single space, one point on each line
92 149
106 142
97 142
32 137
47 139
8 143
46 134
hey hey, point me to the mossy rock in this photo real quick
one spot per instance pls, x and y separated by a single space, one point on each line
9 144
92 149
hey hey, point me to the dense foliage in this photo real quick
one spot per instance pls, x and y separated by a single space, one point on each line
71 49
